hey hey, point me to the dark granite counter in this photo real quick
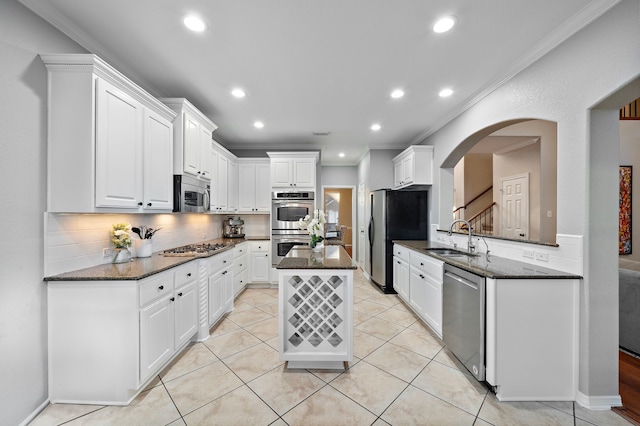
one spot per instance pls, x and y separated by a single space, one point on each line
491 267
330 257
140 268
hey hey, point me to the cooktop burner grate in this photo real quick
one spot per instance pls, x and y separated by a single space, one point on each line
194 249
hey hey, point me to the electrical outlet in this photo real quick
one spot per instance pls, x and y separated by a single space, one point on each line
528 253
106 252
542 256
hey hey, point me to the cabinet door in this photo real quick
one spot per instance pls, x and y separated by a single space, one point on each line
239 282
407 168
432 306
417 291
186 313
246 187
281 172
232 187
401 278
262 188
118 148
207 164
260 267
228 293
156 336
158 162
222 183
304 172
216 296
397 173
191 140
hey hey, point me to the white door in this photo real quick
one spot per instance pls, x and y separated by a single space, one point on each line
514 217
191 139
156 336
186 313
118 148
303 171
158 163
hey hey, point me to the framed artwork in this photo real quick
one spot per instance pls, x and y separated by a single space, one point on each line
624 213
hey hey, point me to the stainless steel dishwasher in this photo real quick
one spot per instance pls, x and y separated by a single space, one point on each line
463 318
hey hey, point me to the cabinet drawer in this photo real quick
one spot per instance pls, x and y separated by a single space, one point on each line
240 250
220 261
240 263
400 252
186 273
259 246
427 265
155 287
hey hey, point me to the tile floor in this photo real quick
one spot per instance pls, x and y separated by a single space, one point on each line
402 375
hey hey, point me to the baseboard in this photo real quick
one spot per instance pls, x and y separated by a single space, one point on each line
35 413
598 402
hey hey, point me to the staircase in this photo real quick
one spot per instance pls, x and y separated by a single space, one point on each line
481 222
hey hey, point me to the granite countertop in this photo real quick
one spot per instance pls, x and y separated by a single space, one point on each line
492 267
330 257
140 268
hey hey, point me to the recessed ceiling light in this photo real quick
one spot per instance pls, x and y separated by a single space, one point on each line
341 155
444 24
375 127
258 124
238 93
194 23
444 93
397 93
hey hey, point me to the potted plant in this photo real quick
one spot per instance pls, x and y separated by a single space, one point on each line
315 227
121 240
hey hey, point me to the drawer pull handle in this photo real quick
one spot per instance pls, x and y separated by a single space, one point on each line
173 299
189 274
161 287
421 264
422 276
180 294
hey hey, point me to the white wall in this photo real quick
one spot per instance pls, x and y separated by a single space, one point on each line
23 124
339 175
562 87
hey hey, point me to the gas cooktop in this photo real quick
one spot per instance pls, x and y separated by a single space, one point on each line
194 250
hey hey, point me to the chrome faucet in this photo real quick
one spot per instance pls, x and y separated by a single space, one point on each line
470 245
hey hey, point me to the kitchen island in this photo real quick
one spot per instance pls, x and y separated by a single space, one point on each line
316 308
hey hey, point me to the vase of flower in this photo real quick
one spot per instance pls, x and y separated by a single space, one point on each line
121 240
121 255
315 227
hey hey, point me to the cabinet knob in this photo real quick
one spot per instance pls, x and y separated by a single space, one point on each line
180 294
173 299
161 287
421 264
189 274
241 265
422 276
266 255
140 203
224 261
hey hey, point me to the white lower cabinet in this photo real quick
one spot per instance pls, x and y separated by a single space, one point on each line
260 261
418 281
220 285
401 272
240 261
108 338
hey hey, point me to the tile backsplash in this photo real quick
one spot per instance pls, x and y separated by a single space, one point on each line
76 241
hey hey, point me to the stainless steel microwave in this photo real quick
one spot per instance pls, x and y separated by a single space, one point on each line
190 194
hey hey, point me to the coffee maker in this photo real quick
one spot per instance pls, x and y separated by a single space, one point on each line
233 227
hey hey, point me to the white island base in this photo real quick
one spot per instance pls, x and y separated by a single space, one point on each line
316 317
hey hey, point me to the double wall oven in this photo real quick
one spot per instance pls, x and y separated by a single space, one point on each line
287 207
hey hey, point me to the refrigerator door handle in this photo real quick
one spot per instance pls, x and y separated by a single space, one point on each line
371 228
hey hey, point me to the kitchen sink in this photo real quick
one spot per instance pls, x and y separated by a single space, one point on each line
441 251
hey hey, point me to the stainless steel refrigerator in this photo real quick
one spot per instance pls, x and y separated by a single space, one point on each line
395 215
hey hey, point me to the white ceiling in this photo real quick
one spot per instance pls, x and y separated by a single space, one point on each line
321 66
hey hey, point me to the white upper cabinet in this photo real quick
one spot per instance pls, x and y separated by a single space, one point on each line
293 169
192 136
254 192
109 142
413 166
